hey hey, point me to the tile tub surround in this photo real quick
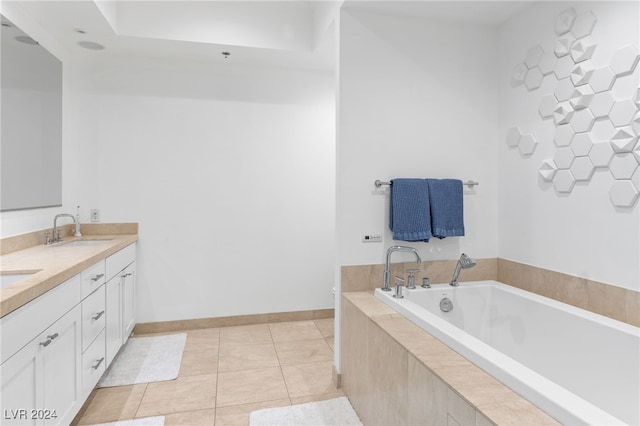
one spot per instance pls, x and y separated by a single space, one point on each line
369 277
228 372
56 264
396 373
614 302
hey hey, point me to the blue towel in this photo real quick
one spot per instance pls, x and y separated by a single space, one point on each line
445 198
409 217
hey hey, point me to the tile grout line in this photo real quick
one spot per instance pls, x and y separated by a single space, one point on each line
279 365
135 415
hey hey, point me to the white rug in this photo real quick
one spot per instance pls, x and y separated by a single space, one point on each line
338 412
146 421
146 359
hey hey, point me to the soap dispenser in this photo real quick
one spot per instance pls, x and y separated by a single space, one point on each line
77 233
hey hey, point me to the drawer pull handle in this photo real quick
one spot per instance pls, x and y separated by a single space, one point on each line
95 367
45 343
97 277
53 336
126 275
97 316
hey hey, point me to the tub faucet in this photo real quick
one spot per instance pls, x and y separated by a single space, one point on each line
465 262
390 250
56 232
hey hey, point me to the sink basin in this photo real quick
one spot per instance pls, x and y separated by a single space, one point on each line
85 243
8 279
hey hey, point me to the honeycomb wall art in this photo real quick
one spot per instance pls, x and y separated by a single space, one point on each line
582 106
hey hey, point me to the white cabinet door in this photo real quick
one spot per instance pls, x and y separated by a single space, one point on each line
114 328
128 277
20 387
41 382
61 369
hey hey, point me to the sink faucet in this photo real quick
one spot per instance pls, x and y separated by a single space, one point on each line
391 249
465 262
56 231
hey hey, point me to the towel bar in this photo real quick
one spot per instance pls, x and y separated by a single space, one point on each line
470 183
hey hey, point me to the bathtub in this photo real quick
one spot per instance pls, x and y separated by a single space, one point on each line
579 367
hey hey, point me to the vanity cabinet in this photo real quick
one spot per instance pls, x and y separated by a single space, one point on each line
55 348
120 299
41 382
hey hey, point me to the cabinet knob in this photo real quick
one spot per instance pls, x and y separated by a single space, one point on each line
97 316
97 277
53 336
128 274
45 343
95 367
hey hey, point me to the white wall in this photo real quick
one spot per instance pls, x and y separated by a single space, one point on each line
230 174
417 98
580 233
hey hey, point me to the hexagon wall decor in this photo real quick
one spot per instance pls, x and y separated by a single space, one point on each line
601 154
623 166
563 67
533 80
636 152
601 104
518 75
624 60
582 73
563 45
533 56
547 63
547 170
563 181
602 79
564 89
636 98
622 113
582 169
513 136
624 140
563 135
582 120
602 130
563 158
582 49
563 113
584 24
547 105
527 144
581 144
635 123
581 97
565 21
623 193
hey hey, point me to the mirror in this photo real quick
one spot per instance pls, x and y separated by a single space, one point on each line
31 144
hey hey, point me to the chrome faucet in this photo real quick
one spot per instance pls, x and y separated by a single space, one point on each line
390 250
465 262
56 232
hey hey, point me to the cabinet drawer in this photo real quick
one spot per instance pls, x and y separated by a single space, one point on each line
120 260
92 278
93 316
93 364
22 325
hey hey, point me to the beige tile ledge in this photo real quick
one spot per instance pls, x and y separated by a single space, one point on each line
494 400
55 264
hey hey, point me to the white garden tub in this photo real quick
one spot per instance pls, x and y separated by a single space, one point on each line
579 367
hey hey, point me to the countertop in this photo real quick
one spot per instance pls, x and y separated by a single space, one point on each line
52 265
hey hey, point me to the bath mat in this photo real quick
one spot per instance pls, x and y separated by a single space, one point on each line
146 421
146 359
336 411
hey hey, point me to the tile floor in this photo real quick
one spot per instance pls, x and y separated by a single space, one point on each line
228 372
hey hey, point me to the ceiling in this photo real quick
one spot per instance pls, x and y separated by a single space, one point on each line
286 33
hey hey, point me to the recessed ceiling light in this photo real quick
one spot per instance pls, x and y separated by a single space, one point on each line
26 40
90 45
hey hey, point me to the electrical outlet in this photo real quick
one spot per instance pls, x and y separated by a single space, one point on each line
95 215
372 238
